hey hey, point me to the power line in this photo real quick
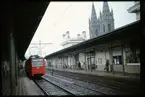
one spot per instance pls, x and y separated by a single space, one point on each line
61 15
39 46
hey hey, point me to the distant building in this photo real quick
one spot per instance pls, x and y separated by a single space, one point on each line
135 9
103 24
67 41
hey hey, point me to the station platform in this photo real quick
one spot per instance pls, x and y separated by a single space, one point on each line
26 86
103 73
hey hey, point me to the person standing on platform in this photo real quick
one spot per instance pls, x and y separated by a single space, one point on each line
79 65
52 70
107 66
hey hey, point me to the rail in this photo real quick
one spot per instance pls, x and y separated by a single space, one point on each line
59 87
43 90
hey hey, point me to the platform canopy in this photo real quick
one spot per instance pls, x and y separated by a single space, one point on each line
22 19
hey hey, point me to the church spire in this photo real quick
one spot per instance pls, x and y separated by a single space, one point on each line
93 14
105 7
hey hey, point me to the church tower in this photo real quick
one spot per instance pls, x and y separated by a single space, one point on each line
107 21
102 25
93 23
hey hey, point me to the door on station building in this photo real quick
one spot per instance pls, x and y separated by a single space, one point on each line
89 63
76 60
66 62
93 63
56 63
91 60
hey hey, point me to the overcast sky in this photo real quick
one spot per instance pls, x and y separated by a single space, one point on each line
73 17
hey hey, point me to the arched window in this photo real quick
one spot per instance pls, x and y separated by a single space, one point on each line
104 28
96 32
109 27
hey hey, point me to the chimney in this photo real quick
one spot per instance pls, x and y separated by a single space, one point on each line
67 35
64 36
84 34
78 35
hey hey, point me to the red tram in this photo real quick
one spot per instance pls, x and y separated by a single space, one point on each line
35 67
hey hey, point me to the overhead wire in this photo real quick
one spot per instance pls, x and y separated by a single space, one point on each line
54 24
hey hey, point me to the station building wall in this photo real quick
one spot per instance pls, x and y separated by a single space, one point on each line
100 61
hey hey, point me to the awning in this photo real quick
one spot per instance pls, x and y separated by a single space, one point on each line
22 19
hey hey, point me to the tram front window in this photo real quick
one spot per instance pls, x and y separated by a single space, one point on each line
37 62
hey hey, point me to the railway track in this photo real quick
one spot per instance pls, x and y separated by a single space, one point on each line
42 89
50 88
117 88
84 88
89 89
110 84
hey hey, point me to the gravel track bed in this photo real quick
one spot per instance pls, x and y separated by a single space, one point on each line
51 89
77 90
127 88
94 87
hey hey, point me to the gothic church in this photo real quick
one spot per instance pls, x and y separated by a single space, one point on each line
103 24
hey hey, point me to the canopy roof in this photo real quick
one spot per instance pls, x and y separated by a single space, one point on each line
22 19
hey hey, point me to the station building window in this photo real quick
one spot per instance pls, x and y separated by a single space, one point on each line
109 27
93 60
104 28
56 63
100 60
96 32
98 28
132 52
117 60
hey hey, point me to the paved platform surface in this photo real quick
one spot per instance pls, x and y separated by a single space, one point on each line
103 73
5 85
26 86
